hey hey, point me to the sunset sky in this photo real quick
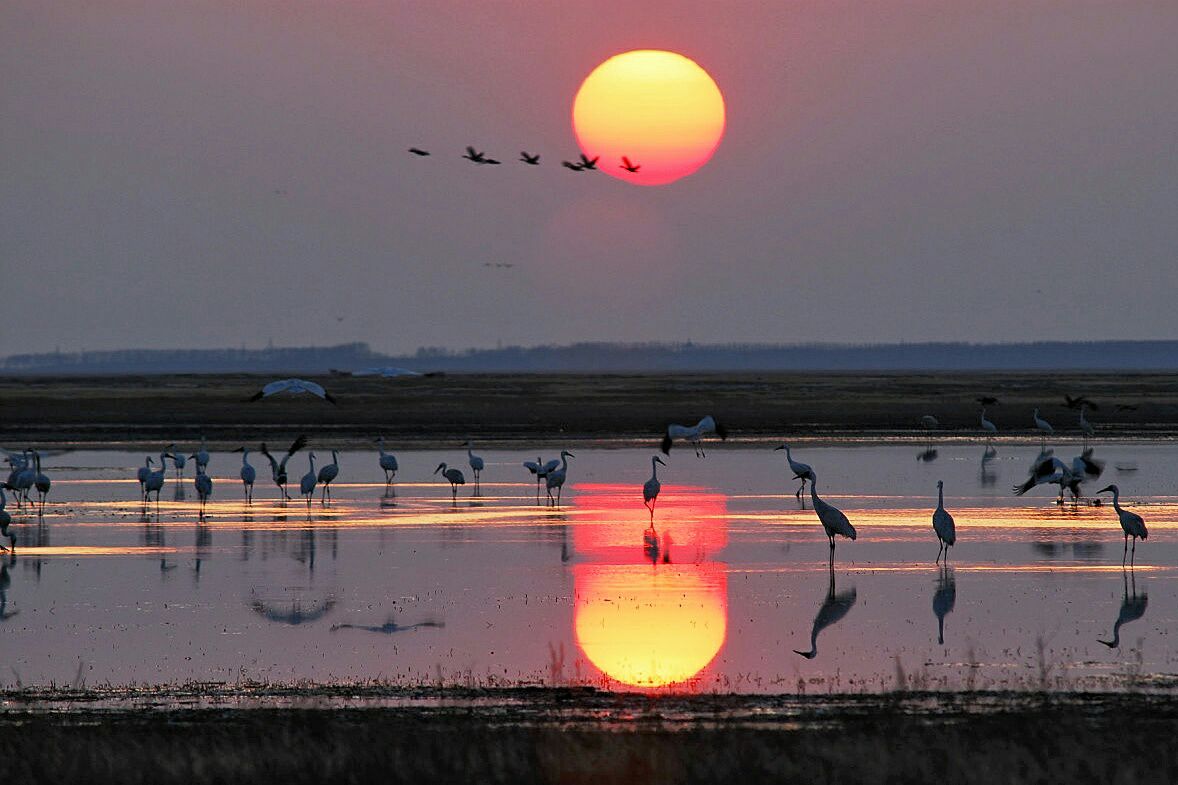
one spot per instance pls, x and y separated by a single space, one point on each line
233 173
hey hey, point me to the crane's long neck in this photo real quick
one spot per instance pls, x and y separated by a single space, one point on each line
1117 500
941 498
654 469
245 454
813 487
564 462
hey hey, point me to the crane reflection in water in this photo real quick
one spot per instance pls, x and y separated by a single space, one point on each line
650 621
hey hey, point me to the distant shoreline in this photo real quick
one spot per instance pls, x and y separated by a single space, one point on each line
517 409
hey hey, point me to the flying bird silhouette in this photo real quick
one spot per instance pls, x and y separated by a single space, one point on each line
574 167
418 151
474 156
588 163
1079 402
293 386
629 167
532 160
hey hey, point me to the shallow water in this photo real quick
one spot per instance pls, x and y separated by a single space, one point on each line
406 586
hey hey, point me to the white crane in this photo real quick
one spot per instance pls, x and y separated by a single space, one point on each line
832 518
277 469
41 481
556 477
1042 425
541 471
155 479
307 484
454 476
388 462
1086 426
204 487
990 428
201 456
24 480
144 470
178 460
327 474
943 524
248 475
294 387
1132 523
476 463
692 435
802 471
1047 470
651 488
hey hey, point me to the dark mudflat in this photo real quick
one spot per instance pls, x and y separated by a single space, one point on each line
508 409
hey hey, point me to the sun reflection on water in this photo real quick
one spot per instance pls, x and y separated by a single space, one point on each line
651 610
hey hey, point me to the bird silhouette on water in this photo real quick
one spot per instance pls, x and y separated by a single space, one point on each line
833 609
1132 608
389 627
944 598
295 615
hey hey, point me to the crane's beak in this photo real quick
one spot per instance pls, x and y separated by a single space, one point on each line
1104 490
782 447
660 460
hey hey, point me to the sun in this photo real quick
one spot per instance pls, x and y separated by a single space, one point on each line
658 109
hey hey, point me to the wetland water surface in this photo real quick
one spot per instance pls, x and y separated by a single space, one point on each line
408 587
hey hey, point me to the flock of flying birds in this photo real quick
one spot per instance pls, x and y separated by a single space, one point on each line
583 164
26 476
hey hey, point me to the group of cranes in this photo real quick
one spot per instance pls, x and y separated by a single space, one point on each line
26 473
24 476
581 164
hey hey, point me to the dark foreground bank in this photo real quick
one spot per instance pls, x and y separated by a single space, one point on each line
510 409
577 736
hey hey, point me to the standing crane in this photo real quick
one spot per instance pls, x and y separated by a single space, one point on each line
307 484
834 522
327 474
802 471
388 462
248 475
943 524
1132 523
454 476
651 488
556 477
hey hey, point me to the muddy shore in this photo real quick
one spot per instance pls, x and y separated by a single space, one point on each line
510 409
552 735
